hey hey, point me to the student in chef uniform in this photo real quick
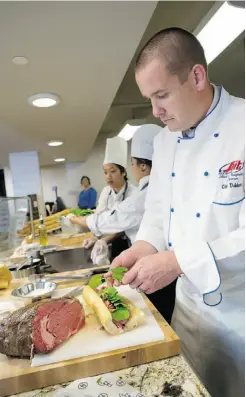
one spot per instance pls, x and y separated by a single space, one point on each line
117 190
193 226
114 167
127 215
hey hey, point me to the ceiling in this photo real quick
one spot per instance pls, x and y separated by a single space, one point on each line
85 53
78 50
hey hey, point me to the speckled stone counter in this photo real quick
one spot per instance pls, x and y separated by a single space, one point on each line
170 378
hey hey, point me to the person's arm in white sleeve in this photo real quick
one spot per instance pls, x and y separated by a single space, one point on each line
126 215
102 201
151 228
201 262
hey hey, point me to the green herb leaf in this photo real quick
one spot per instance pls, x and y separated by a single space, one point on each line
111 294
120 314
99 380
79 212
118 273
120 269
96 280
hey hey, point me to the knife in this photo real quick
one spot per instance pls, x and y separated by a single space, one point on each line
74 292
85 276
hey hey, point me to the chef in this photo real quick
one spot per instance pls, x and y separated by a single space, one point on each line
117 190
127 216
114 167
193 226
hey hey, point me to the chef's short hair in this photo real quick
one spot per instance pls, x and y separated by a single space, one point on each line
179 48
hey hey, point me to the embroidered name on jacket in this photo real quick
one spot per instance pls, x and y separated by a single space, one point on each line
231 174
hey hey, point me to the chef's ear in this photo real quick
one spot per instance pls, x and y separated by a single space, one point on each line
143 167
199 76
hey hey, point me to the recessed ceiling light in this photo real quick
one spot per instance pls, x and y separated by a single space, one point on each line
60 160
20 60
55 143
43 100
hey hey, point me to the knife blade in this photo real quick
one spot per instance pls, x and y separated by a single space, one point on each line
75 291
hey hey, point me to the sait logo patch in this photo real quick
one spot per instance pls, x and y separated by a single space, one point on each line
231 168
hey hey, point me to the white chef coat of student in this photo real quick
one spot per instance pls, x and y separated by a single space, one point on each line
127 215
195 206
115 153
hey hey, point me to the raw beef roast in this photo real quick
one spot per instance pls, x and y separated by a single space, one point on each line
40 326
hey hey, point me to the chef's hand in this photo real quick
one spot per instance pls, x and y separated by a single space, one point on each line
79 221
89 242
99 254
153 272
67 220
130 256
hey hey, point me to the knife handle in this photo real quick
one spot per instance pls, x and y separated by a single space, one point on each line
100 271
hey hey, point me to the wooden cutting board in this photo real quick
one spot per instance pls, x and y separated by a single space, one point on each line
16 375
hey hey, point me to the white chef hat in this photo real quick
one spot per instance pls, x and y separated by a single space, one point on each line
116 151
142 141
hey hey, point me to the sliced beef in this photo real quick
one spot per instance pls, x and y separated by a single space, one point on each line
121 323
40 326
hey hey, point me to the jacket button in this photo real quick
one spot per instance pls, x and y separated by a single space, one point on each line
198 215
206 173
169 244
172 209
173 173
216 135
178 140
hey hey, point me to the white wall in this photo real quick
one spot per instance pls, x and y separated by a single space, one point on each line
67 176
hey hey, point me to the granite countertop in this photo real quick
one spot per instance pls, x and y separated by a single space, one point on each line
171 377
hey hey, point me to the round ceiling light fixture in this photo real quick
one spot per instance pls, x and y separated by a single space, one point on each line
20 60
43 100
55 143
60 160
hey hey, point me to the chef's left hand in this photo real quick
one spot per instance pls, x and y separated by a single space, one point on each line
153 272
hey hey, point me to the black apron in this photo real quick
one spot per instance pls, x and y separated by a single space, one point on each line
164 300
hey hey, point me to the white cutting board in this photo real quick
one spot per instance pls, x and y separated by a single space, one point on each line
91 339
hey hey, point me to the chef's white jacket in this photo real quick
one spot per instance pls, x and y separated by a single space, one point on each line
195 207
125 217
109 198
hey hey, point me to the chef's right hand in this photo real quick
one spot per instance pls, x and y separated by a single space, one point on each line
66 220
89 242
129 257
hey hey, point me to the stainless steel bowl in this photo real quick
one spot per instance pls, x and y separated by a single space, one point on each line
35 291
